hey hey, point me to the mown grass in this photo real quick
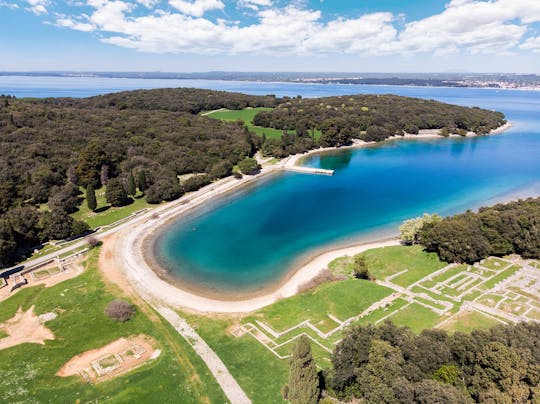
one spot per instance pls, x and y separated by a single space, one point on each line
257 370
470 321
416 317
106 214
489 284
27 372
343 299
387 261
246 115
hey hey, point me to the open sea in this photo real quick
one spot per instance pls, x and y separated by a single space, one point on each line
248 240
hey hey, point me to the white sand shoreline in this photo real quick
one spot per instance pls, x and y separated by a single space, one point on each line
129 249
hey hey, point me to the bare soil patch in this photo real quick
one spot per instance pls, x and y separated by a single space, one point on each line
25 327
111 360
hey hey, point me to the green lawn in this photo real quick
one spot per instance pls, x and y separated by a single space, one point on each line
387 261
27 372
499 277
247 116
416 317
260 374
494 263
106 214
470 321
343 299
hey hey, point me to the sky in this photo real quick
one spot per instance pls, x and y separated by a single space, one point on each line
271 35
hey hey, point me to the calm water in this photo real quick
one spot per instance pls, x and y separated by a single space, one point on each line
251 239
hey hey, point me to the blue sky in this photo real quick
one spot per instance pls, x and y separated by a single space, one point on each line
271 35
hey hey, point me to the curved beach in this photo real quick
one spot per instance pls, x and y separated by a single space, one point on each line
144 274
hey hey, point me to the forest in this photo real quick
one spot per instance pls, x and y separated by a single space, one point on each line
374 117
54 149
393 365
502 229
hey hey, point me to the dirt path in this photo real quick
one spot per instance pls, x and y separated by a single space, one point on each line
24 327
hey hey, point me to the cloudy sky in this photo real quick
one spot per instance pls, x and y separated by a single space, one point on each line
271 35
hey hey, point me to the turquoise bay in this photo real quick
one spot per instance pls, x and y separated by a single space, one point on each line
247 241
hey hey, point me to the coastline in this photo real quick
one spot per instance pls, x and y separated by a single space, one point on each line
132 251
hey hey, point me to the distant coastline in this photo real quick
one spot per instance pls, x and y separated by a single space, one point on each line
457 80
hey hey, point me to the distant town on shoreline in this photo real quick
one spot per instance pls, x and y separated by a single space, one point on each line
476 80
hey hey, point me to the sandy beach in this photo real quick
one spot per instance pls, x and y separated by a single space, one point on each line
129 248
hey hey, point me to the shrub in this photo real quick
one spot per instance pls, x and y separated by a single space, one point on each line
249 166
120 310
93 242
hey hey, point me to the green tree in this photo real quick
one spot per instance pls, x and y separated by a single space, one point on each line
360 268
91 201
90 161
410 229
249 166
141 181
115 193
377 377
131 187
303 387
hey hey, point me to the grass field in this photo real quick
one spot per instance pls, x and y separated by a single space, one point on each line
387 261
247 116
106 214
416 317
260 374
470 321
27 372
343 300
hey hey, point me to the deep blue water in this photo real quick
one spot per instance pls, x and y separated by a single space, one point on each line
245 241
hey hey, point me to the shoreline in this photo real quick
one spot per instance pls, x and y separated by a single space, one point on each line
132 252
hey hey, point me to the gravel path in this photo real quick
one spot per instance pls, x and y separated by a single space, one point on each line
227 382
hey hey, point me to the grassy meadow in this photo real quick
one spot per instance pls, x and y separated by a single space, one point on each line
247 116
27 371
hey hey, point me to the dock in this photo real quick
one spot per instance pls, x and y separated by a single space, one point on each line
309 170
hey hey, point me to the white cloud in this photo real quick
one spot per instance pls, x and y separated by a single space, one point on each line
11 6
197 8
38 7
532 44
468 26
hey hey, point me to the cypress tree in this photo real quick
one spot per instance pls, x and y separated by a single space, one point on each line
131 189
91 201
303 387
142 181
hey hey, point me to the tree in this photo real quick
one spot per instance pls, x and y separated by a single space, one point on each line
115 193
377 377
131 187
90 161
360 268
410 229
141 181
91 201
303 386
249 166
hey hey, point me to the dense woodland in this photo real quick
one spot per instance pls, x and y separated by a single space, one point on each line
374 117
53 148
498 230
390 364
